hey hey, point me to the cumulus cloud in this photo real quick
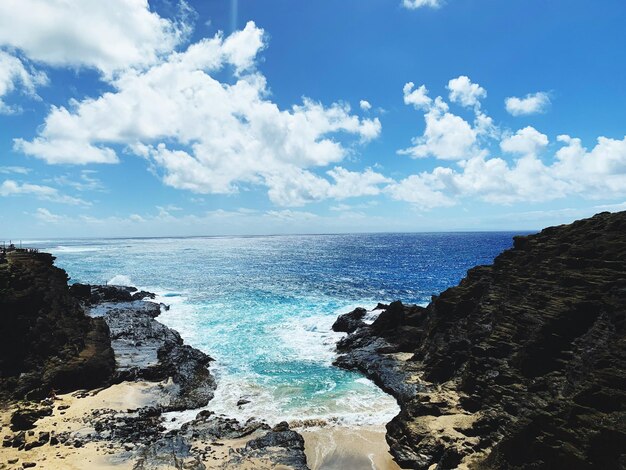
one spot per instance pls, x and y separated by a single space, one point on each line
418 97
365 105
448 136
573 171
531 104
205 135
464 92
527 141
15 75
46 193
296 187
109 36
528 174
415 4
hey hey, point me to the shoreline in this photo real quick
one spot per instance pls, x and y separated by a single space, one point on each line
157 377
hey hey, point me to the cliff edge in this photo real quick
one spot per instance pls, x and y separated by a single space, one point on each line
522 365
46 340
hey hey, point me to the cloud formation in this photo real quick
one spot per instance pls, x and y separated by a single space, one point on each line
464 92
15 75
415 4
45 193
531 175
108 36
448 136
205 135
532 103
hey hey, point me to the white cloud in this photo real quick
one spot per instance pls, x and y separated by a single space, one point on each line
46 193
109 36
571 171
288 214
14 75
14 169
85 181
527 141
204 135
531 104
447 136
365 105
574 171
420 190
464 92
415 4
296 187
417 97
44 215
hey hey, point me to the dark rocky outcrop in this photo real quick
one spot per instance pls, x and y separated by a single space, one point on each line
46 340
349 322
522 365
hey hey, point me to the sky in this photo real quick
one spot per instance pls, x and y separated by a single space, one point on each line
224 117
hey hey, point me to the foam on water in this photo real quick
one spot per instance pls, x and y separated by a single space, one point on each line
120 280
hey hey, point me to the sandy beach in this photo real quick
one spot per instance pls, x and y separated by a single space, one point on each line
325 447
70 415
341 448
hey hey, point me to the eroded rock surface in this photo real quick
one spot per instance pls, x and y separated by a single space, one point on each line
145 348
522 365
46 341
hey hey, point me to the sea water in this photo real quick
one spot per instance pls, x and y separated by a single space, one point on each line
263 307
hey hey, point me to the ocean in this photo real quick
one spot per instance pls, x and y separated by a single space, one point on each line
263 306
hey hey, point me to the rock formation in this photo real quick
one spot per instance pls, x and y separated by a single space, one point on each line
522 365
46 340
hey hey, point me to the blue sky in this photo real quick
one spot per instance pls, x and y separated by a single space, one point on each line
136 118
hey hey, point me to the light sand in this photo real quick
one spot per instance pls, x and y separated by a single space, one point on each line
93 455
345 448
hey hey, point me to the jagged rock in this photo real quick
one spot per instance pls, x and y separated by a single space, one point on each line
46 340
145 348
349 322
522 365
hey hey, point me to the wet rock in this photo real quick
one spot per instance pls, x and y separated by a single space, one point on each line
349 322
145 348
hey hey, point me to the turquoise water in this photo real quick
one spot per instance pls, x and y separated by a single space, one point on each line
262 307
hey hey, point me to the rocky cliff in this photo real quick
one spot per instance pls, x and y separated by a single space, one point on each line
522 365
46 340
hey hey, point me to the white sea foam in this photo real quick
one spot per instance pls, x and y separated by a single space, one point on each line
311 337
307 338
120 280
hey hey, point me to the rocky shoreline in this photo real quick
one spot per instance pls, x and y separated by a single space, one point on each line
108 344
522 365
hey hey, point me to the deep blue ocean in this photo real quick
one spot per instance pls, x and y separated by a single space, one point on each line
263 306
